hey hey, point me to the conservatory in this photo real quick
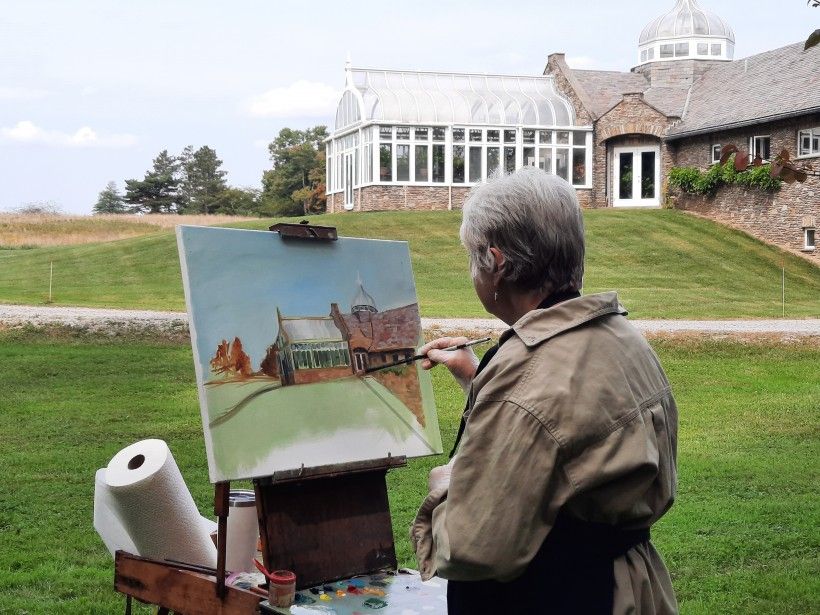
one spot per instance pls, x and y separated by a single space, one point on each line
421 139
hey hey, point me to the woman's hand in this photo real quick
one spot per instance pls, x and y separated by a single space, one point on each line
439 477
461 363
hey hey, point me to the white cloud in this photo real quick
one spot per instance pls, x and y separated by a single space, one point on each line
299 99
18 93
28 132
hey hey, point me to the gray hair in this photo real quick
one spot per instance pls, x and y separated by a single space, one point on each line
534 220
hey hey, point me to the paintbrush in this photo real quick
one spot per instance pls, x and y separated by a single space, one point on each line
418 357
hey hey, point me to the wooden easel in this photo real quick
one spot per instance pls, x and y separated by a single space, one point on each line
323 523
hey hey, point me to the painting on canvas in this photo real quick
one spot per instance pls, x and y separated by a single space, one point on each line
286 334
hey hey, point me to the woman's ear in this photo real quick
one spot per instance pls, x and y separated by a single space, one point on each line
498 266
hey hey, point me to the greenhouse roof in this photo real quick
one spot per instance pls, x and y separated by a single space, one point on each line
413 97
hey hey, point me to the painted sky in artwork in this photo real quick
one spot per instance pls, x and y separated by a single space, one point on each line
234 282
238 278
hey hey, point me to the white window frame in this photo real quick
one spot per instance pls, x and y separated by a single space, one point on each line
716 159
809 247
813 133
337 152
753 146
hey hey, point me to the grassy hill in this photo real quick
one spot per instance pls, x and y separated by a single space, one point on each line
665 264
741 537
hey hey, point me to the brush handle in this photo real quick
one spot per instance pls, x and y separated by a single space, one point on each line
418 357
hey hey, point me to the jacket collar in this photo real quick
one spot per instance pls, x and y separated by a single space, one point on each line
537 326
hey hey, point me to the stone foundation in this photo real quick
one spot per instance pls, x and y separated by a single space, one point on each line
420 198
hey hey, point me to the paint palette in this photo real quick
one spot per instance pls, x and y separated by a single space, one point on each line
403 593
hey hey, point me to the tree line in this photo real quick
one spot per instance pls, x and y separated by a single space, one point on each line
193 182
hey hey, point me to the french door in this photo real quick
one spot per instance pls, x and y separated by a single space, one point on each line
636 173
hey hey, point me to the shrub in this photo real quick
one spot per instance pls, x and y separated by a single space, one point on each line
683 178
695 181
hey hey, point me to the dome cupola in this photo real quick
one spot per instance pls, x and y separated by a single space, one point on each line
362 301
686 32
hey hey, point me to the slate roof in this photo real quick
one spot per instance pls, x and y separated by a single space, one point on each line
606 88
762 87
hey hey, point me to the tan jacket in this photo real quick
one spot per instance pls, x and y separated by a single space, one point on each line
574 411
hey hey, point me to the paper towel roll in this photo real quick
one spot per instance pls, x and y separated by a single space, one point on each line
108 524
154 507
106 521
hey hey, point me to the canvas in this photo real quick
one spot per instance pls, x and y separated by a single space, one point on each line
285 336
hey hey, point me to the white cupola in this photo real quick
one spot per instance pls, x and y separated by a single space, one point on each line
686 32
363 301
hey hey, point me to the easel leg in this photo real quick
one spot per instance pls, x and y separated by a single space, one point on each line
128 605
221 495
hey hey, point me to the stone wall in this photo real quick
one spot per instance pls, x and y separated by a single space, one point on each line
401 198
696 151
777 217
420 198
567 85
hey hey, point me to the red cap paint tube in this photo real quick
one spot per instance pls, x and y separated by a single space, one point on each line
281 586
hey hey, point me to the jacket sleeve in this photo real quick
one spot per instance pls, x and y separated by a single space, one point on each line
504 494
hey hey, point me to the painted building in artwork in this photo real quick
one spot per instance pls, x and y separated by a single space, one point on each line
418 140
316 348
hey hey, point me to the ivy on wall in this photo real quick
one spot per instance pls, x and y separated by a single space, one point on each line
695 181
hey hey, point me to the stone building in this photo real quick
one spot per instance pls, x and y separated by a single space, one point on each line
419 140
317 348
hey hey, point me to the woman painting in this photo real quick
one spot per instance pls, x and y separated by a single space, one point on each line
566 452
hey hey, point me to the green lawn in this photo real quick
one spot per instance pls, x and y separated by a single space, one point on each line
664 263
744 536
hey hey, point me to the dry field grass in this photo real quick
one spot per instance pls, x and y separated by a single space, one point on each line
43 230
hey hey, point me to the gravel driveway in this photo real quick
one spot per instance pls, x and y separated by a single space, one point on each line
104 320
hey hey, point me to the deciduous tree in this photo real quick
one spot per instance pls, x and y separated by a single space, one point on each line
291 187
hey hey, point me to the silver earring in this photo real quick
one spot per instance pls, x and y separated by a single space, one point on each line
495 295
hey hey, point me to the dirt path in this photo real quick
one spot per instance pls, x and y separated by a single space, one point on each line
105 320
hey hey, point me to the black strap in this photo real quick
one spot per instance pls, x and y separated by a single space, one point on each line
481 365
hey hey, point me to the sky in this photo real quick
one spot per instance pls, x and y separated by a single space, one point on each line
91 91
235 280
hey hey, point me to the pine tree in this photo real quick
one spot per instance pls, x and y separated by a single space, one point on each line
109 201
158 192
202 180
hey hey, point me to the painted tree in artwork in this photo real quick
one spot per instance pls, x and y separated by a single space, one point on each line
231 359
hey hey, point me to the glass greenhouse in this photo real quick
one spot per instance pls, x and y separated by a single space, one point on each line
408 128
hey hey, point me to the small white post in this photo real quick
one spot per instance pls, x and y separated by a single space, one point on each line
783 289
50 280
